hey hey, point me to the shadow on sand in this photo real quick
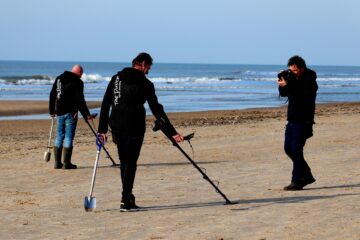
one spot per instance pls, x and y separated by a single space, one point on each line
299 199
163 164
259 202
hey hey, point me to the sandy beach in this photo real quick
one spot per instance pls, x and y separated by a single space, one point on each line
241 149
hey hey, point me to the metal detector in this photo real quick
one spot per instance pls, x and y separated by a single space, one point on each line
92 129
159 124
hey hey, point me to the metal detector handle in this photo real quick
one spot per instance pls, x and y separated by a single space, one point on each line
189 136
186 138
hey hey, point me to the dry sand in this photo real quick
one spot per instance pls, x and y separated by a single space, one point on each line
241 149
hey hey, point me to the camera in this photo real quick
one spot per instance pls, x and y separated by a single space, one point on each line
288 75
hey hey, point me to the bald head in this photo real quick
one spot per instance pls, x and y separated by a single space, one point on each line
77 69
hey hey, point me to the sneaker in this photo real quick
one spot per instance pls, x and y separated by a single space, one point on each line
129 207
293 187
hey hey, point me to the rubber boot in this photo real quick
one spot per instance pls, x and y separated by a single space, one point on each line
67 159
57 154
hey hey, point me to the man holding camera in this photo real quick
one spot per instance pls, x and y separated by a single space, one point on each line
298 84
126 94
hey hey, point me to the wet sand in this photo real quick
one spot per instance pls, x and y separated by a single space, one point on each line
14 108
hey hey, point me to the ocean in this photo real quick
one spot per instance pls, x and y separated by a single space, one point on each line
182 87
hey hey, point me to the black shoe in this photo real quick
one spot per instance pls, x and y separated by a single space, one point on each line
293 187
129 207
306 181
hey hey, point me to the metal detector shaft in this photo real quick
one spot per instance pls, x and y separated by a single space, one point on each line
160 124
202 172
112 160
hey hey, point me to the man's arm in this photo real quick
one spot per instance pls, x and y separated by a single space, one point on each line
158 111
309 95
283 87
105 108
82 103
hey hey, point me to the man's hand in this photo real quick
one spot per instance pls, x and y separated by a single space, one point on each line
90 117
178 137
102 138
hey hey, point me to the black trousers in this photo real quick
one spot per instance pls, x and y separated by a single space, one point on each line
295 139
129 150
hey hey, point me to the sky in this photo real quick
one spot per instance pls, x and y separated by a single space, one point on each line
323 32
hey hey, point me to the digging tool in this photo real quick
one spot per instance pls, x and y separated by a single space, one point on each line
90 201
47 154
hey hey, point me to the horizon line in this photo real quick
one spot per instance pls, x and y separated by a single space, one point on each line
190 63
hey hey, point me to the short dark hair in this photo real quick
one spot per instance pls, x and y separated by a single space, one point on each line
142 57
298 61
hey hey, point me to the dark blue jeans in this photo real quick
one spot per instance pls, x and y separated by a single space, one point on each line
66 126
295 139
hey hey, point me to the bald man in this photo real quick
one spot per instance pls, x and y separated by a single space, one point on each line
78 70
66 99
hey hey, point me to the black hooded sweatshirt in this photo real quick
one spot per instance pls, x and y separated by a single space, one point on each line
301 93
126 94
67 95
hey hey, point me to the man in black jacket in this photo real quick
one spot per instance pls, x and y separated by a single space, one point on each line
66 99
299 85
126 94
